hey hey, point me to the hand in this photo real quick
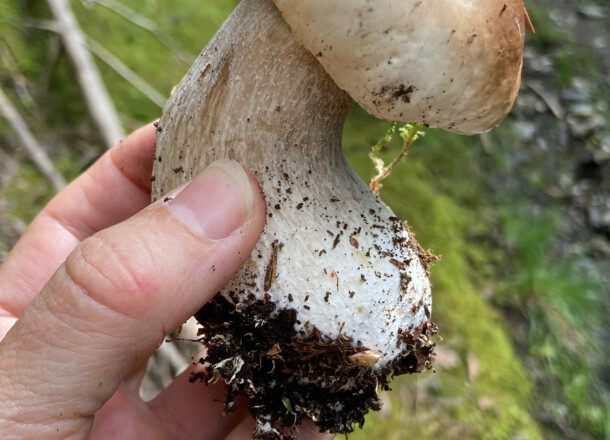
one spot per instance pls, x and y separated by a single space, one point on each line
97 281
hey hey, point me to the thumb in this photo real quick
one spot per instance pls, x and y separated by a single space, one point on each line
108 307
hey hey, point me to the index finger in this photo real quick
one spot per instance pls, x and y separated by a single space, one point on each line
113 189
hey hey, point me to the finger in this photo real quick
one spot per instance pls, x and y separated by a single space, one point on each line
114 188
197 409
243 431
109 306
200 412
306 431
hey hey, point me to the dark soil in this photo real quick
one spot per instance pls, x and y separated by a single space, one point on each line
288 376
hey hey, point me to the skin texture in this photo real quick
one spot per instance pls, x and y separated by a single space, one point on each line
95 283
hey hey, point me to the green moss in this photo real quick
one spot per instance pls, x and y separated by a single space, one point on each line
161 56
487 394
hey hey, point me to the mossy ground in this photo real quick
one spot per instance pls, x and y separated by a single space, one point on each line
482 389
485 393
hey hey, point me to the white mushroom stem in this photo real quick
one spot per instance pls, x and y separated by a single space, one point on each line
331 249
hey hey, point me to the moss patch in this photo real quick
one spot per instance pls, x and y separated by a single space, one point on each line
486 393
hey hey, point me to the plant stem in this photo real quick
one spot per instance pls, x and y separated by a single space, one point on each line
409 134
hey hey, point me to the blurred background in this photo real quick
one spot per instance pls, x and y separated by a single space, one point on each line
520 215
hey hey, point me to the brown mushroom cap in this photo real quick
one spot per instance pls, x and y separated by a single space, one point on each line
455 65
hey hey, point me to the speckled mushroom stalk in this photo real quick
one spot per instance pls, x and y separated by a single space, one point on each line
331 249
335 296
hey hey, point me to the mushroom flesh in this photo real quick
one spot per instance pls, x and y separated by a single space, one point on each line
335 296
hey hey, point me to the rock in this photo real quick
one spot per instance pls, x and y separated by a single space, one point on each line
579 91
601 245
601 151
525 130
537 62
583 126
594 12
599 211
526 102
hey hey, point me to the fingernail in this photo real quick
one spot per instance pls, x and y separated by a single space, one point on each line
217 202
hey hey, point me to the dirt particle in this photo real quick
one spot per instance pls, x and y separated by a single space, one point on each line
398 264
336 241
271 270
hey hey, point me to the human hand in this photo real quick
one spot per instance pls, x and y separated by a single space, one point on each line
96 282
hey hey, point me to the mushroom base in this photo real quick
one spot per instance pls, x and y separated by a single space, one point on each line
289 377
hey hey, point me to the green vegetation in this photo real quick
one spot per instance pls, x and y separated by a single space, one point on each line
558 300
485 395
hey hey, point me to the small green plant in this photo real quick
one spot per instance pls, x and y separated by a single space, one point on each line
409 134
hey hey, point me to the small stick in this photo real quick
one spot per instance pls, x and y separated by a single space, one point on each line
96 96
409 134
150 26
129 75
528 22
33 148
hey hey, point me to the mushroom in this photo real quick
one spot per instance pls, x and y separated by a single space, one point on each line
335 297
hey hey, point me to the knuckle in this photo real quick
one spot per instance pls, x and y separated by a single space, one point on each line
119 275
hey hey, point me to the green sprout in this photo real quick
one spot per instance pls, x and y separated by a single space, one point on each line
288 406
409 134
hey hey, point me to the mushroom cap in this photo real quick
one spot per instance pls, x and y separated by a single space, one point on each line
454 65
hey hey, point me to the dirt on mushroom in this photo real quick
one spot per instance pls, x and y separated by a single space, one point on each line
289 376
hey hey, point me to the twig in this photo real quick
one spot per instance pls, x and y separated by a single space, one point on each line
9 165
149 25
550 99
132 77
409 134
19 81
54 51
103 54
96 96
34 150
177 360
